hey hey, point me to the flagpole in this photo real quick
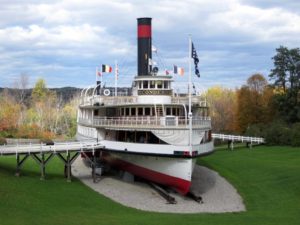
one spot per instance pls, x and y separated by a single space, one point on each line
96 74
116 77
190 93
101 78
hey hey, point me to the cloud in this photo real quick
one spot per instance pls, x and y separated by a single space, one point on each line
68 38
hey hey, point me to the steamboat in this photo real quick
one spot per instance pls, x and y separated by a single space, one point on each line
150 132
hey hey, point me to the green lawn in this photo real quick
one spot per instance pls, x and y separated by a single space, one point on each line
268 178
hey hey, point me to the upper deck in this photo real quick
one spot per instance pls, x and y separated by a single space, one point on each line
94 100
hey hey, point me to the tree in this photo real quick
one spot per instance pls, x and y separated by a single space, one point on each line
222 103
20 85
39 91
254 103
286 75
9 113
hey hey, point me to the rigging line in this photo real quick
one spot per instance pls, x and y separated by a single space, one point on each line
159 56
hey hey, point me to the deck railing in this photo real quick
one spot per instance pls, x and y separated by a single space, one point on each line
147 122
124 100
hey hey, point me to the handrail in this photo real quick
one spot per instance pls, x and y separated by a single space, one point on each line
146 121
238 138
88 100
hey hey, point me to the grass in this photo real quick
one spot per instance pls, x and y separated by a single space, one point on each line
268 178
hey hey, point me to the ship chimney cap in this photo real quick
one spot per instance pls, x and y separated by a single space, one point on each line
144 20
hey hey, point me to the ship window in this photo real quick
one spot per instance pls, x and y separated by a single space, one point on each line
127 111
147 111
145 84
166 85
96 112
140 111
174 111
140 85
133 111
122 111
152 84
159 84
168 111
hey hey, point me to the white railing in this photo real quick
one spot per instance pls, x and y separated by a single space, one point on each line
185 100
108 100
57 147
124 100
223 137
147 122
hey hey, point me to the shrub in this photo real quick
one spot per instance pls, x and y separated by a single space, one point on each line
278 133
295 135
2 141
255 130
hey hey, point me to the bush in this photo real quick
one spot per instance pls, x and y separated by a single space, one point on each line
295 135
2 141
278 133
255 130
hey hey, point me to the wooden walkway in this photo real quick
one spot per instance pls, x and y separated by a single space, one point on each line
236 138
43 153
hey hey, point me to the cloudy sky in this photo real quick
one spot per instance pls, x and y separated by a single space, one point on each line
63 41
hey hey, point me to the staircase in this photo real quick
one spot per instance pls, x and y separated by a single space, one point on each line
159 111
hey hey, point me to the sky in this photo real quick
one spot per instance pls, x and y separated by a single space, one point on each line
64 41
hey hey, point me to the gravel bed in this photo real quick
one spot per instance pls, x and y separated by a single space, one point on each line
218 195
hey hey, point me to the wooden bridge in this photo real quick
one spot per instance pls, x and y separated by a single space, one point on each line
43 153
236 138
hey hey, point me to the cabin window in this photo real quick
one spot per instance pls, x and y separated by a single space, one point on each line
145 84
140 85
166 86
159 84
96 112
122 111
147 111
133 111
174 111
152 84
168 111
140 111
127 111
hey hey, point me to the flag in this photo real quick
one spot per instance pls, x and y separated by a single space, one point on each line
167 72
178 70
106 69
196 60
99 73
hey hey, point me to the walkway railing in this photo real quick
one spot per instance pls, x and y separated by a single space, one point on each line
223 137
147 122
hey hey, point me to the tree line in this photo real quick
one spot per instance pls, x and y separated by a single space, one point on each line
38 113
262 109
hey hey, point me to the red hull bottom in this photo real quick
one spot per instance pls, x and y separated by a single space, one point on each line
180 185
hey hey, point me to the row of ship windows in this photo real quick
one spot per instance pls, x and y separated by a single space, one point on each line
144 111
151 84
149 111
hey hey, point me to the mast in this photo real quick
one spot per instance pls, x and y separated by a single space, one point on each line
116 77
190 93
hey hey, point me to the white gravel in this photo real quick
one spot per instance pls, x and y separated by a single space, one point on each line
218 195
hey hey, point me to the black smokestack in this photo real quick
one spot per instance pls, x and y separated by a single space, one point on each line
144 50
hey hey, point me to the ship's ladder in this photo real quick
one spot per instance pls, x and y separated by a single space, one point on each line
159 111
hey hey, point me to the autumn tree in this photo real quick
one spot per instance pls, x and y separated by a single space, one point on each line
9 113
222 103
254 103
